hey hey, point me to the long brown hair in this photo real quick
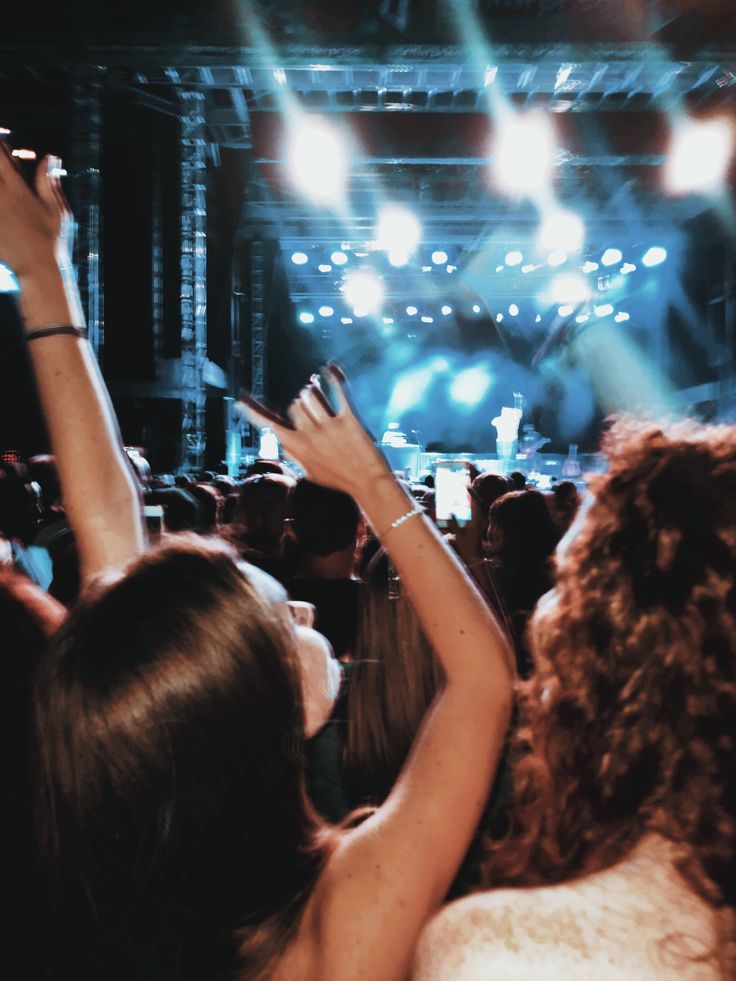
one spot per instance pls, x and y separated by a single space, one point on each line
172 816
394 678
629 724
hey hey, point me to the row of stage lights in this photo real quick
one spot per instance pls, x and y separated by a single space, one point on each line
363 290
523 152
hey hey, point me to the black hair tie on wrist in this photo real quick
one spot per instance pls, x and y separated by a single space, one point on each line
80 332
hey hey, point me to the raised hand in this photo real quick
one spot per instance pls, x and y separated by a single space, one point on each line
332 447
34 227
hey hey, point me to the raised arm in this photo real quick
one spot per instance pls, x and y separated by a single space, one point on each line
99 494
388 876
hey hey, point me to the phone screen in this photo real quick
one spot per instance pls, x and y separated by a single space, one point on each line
452 497
154 515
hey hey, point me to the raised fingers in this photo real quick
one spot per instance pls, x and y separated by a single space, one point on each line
260 416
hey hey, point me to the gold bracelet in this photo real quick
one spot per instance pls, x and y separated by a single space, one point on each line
401 519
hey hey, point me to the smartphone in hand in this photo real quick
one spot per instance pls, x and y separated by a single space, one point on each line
452 492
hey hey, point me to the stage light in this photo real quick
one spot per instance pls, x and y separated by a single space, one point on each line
324 267
523 153
538 318
439 258
446 310
427 320
299 258
622 317
364 290
398 259
306 318
470 387
561 231
627 268
556 259
326 311
388 320
611 256
451 269
346 320
316 160
476 308
8 282
412 311
565 310
338 258
700 155
499 318
605 310
589 267
582 318
654 256
500 268
513 310
529 267
514 258
359 312
398 231
569 288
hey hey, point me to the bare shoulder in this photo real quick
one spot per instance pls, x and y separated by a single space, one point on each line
605 925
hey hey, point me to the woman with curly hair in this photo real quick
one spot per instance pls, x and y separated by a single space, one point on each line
624 831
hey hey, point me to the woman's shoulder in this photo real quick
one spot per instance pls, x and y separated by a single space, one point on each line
605 926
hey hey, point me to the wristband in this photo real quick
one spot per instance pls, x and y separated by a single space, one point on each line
52 329
401 519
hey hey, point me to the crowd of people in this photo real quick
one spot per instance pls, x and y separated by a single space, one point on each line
301 733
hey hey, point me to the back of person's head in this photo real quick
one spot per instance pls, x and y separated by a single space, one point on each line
209 506
324 520
224 484
181 509
184 480
630 719
564 503
487 488
171 806
395 677
266 466
521 530
516 480
261 512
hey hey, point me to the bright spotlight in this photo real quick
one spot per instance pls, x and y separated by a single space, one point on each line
513 310
439 258
388 320
427 320
565 310
364 290
338 258
589 267
523 153
611 256
562 231
628 268
360 312
605 310
476 308
317 161
538 318
324 267
514 258
398 231
499 318
8 282
412 311
398 259
501 269
529 267
346 320
469 387
556 259
446 310
654 256
306 318
582 318
569 288
326 311
299 258
700 155
451 268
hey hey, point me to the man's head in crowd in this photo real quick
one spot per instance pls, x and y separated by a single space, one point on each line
323 521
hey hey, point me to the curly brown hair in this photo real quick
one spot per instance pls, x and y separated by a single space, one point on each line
629 723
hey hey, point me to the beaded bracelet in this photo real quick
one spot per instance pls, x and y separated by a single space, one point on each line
52 329
401 519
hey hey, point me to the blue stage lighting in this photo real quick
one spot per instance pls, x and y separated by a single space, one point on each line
338 258
306 318
412 311
476 308
611 256
557 258
514 258
513 310
324 267
565 310
654 256
604 310
499 318
326 311
439 258
316 159
446 310
470 387
299 258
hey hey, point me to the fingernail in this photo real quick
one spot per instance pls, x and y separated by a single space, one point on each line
336 371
